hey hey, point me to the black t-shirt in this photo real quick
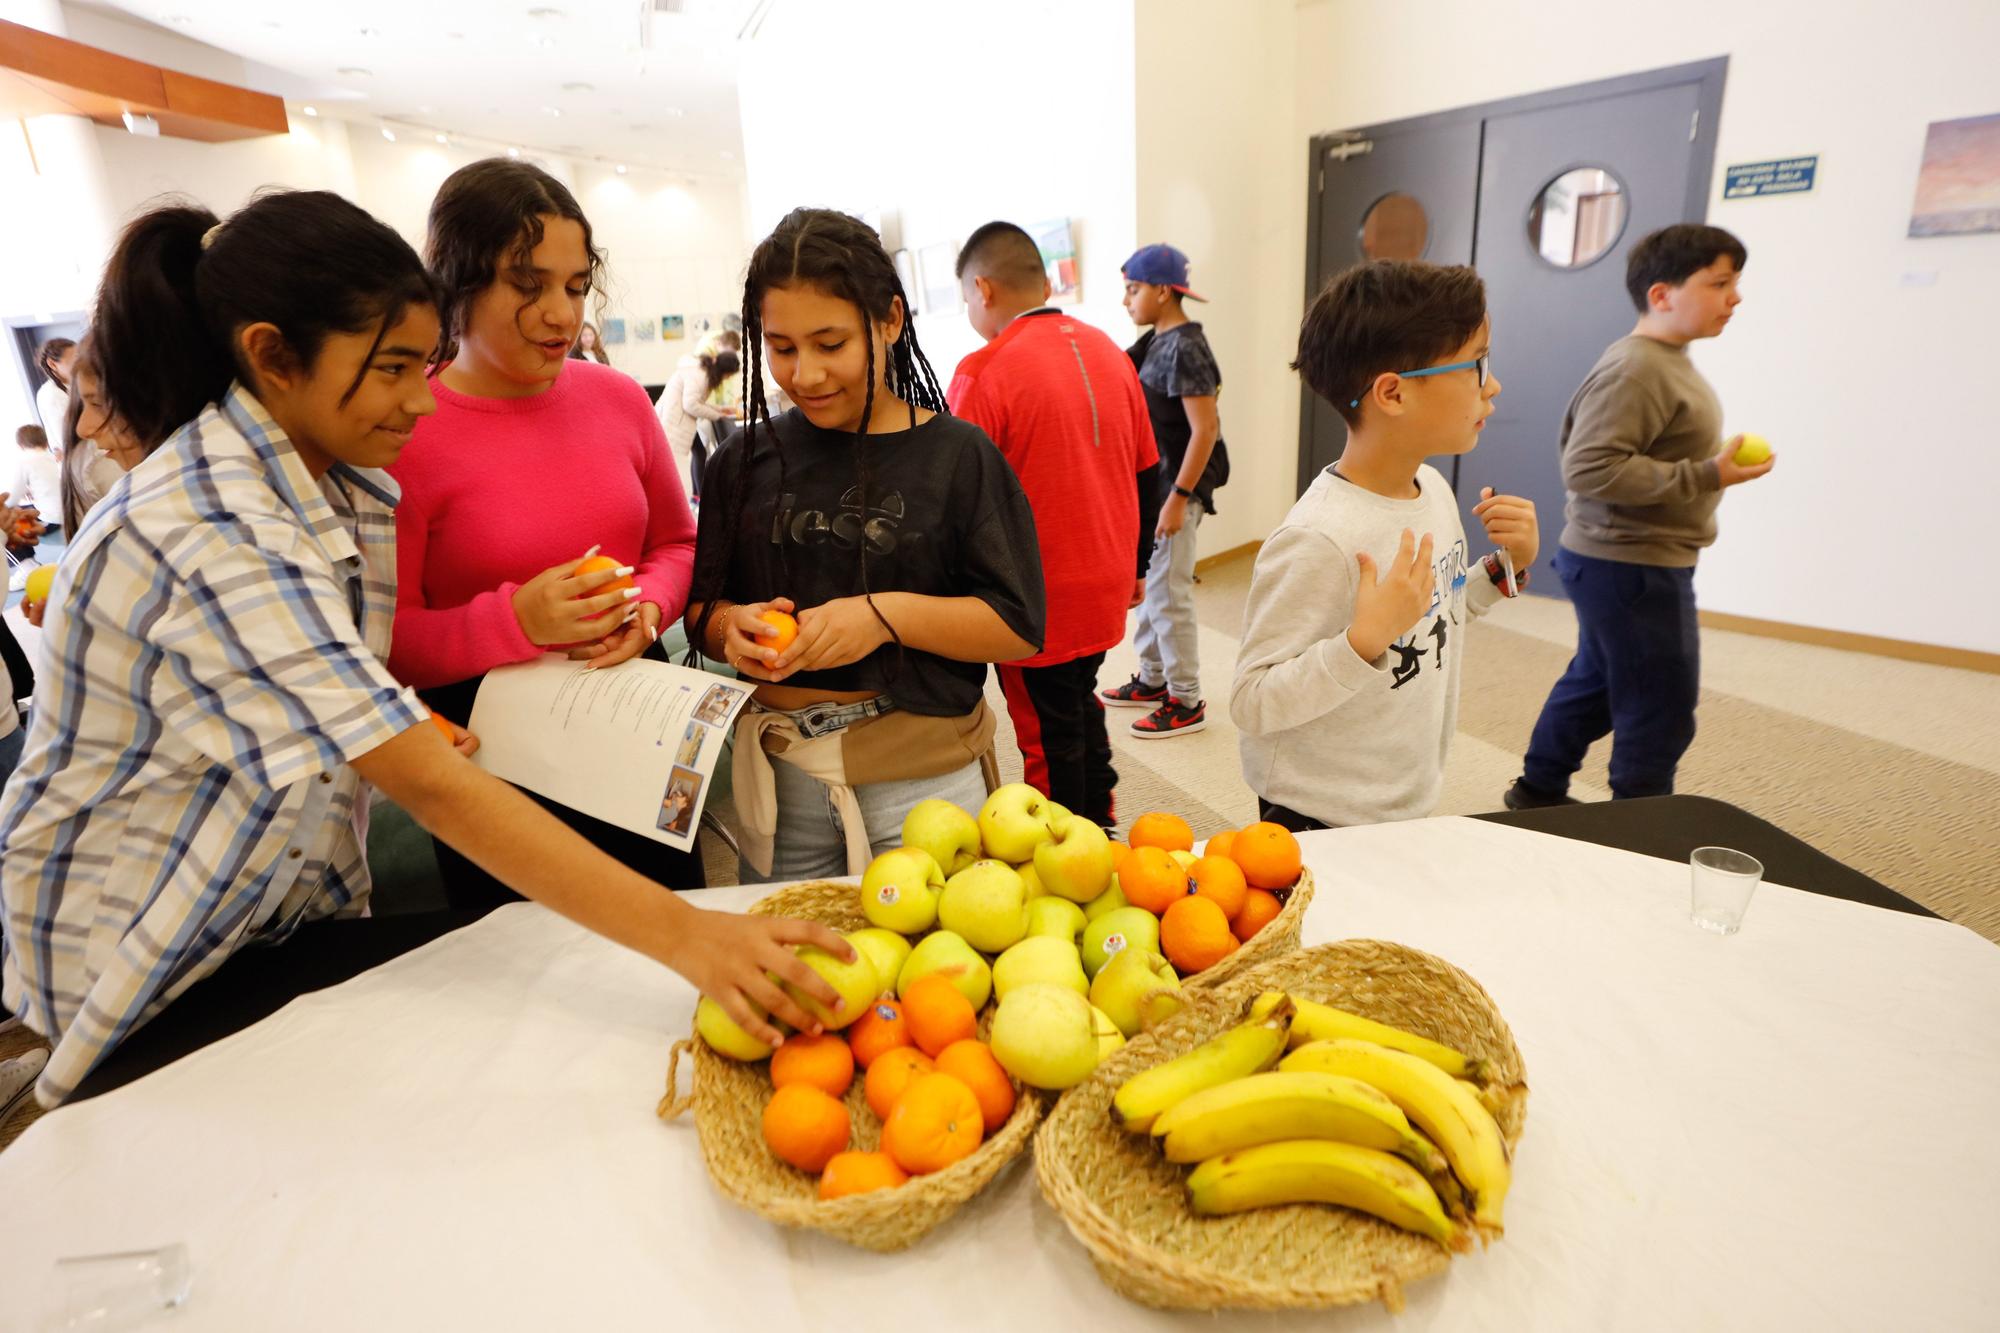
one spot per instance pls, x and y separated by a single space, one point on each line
1174 365
946 518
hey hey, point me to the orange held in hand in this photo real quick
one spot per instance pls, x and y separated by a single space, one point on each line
974 1064
1269 855
597 563
858 1173
1194 934
891 1073
878 1031
1153 880
450 736
937 1014
936 1122
1170 833
788 629
1260 909
1220 880
805 1127
822 1062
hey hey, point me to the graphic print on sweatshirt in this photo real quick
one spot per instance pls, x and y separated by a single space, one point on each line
1448 571
846 527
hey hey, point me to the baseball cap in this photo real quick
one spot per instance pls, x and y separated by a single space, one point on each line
1161 265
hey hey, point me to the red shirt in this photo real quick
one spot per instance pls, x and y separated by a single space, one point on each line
1065 406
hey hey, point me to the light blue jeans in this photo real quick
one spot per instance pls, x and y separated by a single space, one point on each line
810 842
1166 635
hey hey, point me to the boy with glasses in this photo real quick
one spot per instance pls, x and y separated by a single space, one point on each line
1346 691
1645 467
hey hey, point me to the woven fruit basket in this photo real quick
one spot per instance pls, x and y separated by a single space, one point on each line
1280 936
727 1098
1129 1206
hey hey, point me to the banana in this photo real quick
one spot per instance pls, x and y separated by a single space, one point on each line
1321 1171
1272 1107
1447 1110
1252 1046
1322 1022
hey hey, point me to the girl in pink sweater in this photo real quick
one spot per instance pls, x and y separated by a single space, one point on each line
532 462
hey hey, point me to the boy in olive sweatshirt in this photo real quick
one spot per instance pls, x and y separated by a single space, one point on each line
1645 466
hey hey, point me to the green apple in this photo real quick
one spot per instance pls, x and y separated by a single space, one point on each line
1137 988
1078 864
1013 822
723 1034
1044 1036
855 983
1058 917
944 830
1039 959
886 949
987 904
1753 450
1119 929
900 891
1109 1038
1110 900
1033 882
949 955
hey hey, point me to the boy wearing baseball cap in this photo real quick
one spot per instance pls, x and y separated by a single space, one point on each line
1178 372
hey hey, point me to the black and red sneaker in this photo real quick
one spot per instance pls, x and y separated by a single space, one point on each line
1134 693
1172 718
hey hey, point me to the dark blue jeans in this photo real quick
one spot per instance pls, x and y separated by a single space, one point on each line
1636 675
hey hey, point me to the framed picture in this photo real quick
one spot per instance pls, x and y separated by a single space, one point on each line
646 331
612 333
1958 189
1057 242
939 284
673 327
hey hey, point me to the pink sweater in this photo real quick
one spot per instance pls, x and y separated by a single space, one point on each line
496 490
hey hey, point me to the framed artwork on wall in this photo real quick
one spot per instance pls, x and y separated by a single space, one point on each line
673 327
613 332
1056 240
1958 188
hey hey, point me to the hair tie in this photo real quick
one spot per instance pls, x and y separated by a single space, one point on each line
208 237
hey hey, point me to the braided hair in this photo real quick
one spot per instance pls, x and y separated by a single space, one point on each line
842 257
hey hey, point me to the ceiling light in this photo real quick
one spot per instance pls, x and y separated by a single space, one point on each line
388 134
621 168
139 123
444 138
513 152
552 111
673 111
545 42
579 87
355 72
371 32
545 13
310 110
180 20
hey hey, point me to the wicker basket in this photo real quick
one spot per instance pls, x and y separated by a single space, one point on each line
728 1098
1279 937
1128 1205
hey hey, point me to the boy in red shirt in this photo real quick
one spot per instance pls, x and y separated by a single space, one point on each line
1064 405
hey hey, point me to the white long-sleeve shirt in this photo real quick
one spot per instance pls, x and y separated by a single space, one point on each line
683 403
36 479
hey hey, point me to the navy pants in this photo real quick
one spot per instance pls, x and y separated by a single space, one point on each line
1636 675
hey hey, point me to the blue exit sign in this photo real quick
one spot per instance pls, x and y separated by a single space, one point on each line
1791 175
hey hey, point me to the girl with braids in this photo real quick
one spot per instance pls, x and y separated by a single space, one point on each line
216 695
896 533
522 431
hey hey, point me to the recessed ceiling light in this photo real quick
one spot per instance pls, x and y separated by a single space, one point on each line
552 111
513 152
388 134
621 168
180 20
310 110
545 41
444 138
371 32
579 87
355 72
546 13
674 111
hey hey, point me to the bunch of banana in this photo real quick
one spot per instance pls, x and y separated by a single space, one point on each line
1250 1048
1323 1022
1323 1171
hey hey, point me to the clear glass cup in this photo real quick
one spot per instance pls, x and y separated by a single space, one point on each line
127 1290
1722 881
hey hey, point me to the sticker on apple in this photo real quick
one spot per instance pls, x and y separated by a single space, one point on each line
887 895
1113 943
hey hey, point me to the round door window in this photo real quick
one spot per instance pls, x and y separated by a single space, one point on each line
1577 217
1396 227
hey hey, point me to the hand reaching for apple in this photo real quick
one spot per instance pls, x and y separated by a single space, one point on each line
740 961
1510 524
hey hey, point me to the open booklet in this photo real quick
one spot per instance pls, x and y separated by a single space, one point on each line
633 745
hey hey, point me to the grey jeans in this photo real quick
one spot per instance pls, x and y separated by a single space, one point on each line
1166 634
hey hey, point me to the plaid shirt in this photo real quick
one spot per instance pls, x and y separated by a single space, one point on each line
213 658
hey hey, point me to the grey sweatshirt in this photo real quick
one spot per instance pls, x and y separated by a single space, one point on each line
1319 730
1639 445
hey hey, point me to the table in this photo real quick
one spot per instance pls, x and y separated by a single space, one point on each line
1791 1127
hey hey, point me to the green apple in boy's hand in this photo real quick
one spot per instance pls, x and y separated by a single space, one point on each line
1751 450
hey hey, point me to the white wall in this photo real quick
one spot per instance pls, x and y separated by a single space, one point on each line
947 116
1874 392
1221 178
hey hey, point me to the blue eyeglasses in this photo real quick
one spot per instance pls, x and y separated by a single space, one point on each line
1480 364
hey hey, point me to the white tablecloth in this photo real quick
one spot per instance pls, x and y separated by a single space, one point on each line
1796 1127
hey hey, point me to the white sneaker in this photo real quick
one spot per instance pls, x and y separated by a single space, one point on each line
17 1079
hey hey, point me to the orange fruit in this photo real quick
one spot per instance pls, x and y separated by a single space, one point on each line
824 1062
890 1074
1120 854
450 736
974 1064
880 1029
1219 844
1269 855
805 1127
937 1014
937 1121
1153 880
1194 934
788 629
1169 833
858 1173
598 563
1220 880
1260 908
